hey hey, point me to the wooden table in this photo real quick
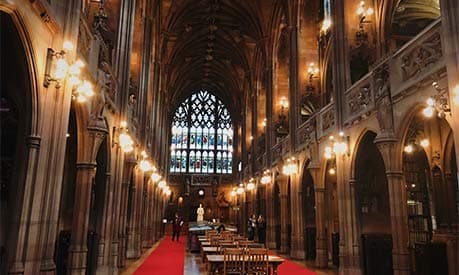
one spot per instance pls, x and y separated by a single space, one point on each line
215 262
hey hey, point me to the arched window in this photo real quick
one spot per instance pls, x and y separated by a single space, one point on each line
202 136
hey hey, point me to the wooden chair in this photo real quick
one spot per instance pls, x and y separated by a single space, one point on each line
257 262
233 261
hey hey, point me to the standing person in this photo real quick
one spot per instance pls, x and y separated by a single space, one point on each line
251 227
261 224
176 227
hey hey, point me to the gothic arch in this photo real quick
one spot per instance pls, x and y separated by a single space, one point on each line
24 35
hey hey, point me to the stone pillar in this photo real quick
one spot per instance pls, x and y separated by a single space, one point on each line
133 217
294 103
86 169
270 222
129 164
116 167
450 43
105 228
78 248
390 149
285 215
297 222
349 239
33 146
321 220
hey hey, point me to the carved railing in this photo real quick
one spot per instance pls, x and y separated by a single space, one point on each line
326 120
306 133
359 99
417 60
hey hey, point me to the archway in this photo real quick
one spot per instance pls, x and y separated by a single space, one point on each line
373 208
309 215
428 161
15 112
331 212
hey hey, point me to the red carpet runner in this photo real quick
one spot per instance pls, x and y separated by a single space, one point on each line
167 258
291 268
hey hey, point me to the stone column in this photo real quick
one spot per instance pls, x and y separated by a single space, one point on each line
321 235
450 43
86 169
390 151
105 228
349 239
129 164
116 180
33 146
285 215
293 113
78 248
297 222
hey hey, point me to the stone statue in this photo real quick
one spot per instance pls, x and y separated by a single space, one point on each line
200 213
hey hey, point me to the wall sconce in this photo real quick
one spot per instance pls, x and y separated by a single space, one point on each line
124 139
313 72
201 192
162 184
438 103
337 147
251 184
265 121
363 13
290 167
155 177
240 190
266 178
233 192
411 146
145 164
58 68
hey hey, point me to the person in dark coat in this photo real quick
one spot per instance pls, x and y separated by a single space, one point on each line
261 225
251 227
176 227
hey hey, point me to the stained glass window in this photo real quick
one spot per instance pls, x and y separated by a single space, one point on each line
202 136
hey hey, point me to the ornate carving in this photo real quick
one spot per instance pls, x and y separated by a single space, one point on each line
383 100
84 39
359 99
421 57
328 119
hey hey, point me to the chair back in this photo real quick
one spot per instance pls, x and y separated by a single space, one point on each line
233 261
257 262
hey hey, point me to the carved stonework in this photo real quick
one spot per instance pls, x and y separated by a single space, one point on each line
305 133
421 57
84 39
383 100
328 119
359 99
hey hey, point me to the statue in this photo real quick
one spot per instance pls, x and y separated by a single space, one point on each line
200 213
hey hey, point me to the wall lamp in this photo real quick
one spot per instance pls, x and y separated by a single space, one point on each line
266 178
58 68
410 147
251 184
313 72
290 167
439 102
337 147
145 164
363 13
155 177
240 190
124 140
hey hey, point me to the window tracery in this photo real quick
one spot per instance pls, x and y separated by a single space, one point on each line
202 136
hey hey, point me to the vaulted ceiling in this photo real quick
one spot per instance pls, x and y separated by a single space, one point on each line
211 44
